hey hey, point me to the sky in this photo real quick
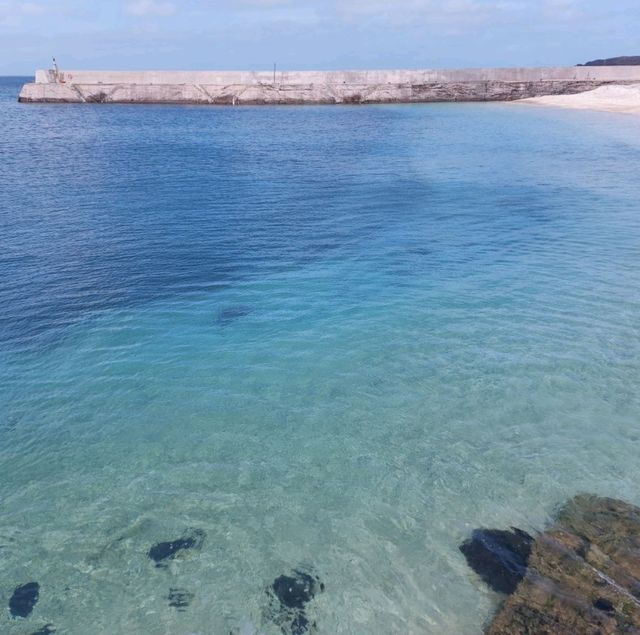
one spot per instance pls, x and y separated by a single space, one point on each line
312 34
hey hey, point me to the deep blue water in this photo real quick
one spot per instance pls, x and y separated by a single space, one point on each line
332 338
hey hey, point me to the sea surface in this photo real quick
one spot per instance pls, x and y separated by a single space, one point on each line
333 339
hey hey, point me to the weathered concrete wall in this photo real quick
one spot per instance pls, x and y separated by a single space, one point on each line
578 73
240 94
319 87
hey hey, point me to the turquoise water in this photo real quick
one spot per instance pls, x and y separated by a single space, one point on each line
335 339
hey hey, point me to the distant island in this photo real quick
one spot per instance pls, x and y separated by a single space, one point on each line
633 60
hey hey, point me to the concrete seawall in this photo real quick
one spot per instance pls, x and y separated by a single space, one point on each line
319 87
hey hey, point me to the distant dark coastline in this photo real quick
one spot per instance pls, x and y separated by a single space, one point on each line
615 61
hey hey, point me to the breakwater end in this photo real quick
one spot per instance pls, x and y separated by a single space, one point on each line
318 87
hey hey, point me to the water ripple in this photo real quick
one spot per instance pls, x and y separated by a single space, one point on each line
330 338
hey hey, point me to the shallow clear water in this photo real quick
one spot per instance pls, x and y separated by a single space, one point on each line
331 338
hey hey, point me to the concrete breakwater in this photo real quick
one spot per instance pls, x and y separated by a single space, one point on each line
319 87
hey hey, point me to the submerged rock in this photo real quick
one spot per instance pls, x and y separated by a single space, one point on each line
583 575
161 552
47 629
180 598
297 590
289 596
24 599
498 556
300 624
232 313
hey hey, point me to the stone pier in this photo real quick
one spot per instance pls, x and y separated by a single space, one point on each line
319 87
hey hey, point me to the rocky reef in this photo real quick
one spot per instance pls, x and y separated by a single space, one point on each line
579 577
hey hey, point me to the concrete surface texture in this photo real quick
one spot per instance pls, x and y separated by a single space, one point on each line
319 87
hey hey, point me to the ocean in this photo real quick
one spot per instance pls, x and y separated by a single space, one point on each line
332 340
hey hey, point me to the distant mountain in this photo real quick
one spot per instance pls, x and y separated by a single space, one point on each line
615 61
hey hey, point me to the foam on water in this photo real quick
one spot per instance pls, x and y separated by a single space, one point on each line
334 339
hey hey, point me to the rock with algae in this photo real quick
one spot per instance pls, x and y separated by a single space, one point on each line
583 575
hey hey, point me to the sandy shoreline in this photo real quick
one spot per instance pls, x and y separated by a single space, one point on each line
622 99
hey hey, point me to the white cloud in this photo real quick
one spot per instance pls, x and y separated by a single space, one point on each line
562 9
313 33
150 8
33 8
14 13
462 14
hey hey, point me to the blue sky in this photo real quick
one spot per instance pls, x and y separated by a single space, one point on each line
312 34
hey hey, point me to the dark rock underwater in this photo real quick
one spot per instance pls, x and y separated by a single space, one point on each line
288 598
162 552
499 557
24 599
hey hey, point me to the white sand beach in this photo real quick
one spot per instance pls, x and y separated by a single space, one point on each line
624 99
